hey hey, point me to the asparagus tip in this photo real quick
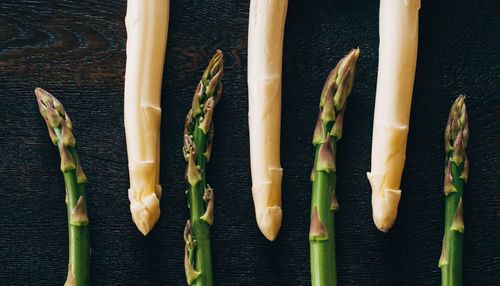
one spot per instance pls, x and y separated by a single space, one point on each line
145 211
269 221
214 71
457 130
384 214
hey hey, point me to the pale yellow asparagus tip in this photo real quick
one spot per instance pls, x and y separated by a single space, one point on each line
146 210
269 222
267 209
384 204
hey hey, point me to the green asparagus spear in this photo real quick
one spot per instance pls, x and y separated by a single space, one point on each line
198 135
324 201
59 127
455 176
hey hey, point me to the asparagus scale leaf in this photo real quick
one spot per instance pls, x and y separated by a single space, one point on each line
198 137
324 202
60 128
456 173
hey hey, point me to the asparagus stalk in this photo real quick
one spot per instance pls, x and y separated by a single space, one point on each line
147 26
455 176
198 135
396 72
265 51
59 126
324 201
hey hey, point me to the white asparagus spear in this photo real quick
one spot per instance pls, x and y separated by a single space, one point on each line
265 49
396 72
147 26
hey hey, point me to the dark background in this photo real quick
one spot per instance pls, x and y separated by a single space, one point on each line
76 50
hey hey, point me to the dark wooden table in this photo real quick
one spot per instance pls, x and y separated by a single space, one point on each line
76 50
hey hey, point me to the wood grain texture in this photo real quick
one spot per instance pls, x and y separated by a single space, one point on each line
76 50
